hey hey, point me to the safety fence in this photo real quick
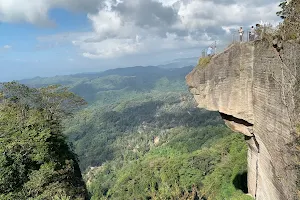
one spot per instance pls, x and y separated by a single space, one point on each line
260 31
235 37
246 37
213 50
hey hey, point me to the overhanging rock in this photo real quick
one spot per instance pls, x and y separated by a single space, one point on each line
255 89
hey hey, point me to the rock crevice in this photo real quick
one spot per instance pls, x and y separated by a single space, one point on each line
238 125
255 89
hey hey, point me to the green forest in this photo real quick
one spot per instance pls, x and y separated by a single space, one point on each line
35 160
141 136
129 133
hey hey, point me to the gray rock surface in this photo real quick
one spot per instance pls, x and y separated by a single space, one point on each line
256 90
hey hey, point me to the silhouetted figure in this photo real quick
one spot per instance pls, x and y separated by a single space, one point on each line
241 32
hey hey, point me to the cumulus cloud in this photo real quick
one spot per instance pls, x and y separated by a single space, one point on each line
122 27
161 25
36 11
33 11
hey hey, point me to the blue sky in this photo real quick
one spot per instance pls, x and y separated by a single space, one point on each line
23 55
48 38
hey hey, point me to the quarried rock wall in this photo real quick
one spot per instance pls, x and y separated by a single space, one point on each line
255 89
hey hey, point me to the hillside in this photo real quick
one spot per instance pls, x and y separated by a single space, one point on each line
141 136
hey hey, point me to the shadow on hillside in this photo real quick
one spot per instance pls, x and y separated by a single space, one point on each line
189 118
132 117
240 182
86 91
94 139
146 114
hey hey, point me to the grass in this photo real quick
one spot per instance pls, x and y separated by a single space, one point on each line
203 61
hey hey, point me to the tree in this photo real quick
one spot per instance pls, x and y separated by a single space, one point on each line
290 12
282 14
35 159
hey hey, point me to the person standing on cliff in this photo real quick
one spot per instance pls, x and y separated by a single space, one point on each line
209 51
257 32
241 32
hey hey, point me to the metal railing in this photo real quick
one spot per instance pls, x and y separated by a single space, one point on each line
248 37
235 38
214 49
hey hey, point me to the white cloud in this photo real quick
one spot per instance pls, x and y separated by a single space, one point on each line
36 11
7 47
142 26
106 23
172 25
33 11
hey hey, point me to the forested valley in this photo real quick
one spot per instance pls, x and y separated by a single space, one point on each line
140 136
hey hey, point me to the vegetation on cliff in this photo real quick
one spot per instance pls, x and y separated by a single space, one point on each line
290 12
35 159
203 61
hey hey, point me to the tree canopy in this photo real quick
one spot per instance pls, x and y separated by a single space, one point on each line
290 12
35 160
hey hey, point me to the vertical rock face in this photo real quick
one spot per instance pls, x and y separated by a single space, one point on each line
255 89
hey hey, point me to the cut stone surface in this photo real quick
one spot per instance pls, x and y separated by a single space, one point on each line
258 88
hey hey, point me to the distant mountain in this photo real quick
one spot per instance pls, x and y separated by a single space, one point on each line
177 63
94 86
183 63
128 71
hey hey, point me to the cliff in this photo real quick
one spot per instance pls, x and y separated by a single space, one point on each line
256 90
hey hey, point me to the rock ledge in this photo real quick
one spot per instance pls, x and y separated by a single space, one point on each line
256 90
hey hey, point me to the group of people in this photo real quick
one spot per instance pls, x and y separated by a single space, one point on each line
252 33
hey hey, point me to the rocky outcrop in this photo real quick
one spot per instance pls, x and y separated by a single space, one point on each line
255 89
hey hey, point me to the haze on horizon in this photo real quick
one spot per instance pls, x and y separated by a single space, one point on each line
54 37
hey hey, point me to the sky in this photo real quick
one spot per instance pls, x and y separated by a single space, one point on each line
55 37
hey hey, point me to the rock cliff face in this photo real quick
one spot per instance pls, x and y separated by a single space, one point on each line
256 91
